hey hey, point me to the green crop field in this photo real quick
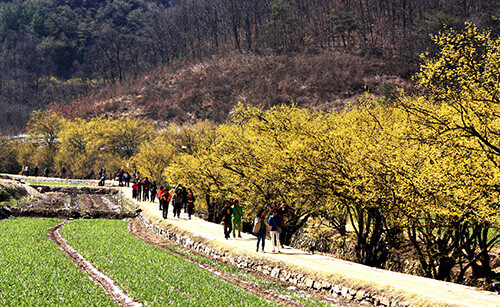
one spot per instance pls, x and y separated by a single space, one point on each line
149 274
291 294
56 183
35 272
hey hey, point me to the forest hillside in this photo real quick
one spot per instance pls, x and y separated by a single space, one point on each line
54 51
210 89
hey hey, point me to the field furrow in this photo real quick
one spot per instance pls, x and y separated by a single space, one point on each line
35 272
149 274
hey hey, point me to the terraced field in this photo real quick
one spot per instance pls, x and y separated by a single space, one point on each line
75 203
35 272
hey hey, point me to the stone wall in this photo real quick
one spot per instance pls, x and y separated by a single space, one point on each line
276 271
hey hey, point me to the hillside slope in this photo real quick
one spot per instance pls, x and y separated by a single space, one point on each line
210 89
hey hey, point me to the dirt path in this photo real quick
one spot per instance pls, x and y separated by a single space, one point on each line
109 286
137 229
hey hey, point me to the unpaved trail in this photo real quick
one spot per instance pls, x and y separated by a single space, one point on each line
109 286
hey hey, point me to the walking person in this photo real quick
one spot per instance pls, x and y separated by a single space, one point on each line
282 212
135 190
152 191
237 215
226 213
260 228
184 198
176 201
145 189
139 190
126 178
190 201
164 199
274 222
158 195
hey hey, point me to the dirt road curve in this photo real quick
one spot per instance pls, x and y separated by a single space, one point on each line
104 281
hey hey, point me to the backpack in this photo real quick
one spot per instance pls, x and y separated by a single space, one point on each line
257 225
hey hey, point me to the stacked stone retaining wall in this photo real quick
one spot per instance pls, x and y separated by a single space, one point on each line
285 274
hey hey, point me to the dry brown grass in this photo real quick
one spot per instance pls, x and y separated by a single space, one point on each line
185 92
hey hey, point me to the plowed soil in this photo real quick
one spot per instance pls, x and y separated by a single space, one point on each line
73 205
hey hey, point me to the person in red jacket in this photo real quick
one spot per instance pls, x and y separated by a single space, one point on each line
158 195
135 190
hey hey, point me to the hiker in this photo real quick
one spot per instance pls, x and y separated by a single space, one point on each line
176 201
153 191
119 176
145 189
226 213
139 190
135 190
282 212
46 172
102 172
164 199
237 213
35 171
102 181
159 194
274 222
260 228
184 198
126 178
190 203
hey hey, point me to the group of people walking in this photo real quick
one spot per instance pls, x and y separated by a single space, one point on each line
275 225
232 213
178 197
144 190
26 170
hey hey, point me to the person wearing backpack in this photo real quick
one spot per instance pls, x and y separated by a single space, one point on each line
135 190
237 213
164 201
176 201
274 222
226 214
260 228
160 192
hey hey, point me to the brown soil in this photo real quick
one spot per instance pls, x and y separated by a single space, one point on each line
138 229
105 282
52 201
52 205
99 203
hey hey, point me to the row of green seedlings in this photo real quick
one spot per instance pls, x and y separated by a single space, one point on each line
36 272
150 274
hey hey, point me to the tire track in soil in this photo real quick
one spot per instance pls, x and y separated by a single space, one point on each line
109 286
137 229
